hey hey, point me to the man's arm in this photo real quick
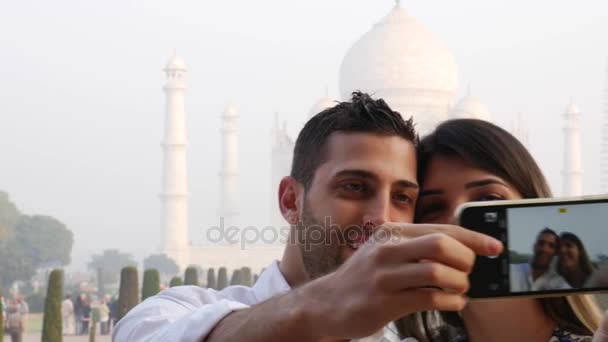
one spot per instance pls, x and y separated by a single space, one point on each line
381 282
282 318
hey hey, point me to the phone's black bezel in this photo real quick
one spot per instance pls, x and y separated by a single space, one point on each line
484 272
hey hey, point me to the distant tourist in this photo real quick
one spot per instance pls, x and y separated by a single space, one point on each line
14 323
67 312
86 316
104 317
24 311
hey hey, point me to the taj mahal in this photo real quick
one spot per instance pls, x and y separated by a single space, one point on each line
398 59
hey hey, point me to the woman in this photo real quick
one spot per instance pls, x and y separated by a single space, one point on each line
471 160
573 261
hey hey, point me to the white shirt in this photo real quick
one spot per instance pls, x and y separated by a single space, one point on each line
521 279
189 313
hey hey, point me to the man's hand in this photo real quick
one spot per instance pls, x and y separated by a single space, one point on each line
601 335
402 269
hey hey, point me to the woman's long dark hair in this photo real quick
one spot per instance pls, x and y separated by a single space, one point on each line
584 262
488 147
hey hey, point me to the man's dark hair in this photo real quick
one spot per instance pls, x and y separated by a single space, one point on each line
547 230
362 114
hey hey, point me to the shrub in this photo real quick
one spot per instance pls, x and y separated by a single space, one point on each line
236 278
176 281
246 278
128 294
51 322
222 278
211 279
151 284
191 276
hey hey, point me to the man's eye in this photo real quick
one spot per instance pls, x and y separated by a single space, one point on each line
355 187
402 198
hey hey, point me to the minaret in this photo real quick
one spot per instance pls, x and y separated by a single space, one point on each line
572 172
174 196
229 173
604 150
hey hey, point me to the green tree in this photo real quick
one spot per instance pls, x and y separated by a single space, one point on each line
128 294
151 284
246 277
176 281
211 279
109 264
191 276
222 278
28 243
51 324
48 241
9 215
165 265
519 258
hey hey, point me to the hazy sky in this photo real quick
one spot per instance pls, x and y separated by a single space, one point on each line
81 101
588 222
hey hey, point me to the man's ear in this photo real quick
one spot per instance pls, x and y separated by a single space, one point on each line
289 199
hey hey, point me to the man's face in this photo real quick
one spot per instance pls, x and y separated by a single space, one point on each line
544 250
366 180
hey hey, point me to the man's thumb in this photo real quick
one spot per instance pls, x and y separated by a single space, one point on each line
601 335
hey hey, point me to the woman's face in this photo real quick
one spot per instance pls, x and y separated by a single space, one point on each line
450 182
568 254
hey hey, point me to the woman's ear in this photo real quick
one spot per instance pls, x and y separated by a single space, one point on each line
289 192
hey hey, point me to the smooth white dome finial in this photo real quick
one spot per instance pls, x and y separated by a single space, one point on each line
175 62
470 107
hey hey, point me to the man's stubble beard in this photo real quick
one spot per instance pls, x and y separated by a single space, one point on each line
319 244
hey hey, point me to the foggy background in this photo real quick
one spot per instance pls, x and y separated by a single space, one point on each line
588 222
82 107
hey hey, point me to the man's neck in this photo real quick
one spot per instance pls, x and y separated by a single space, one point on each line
292 266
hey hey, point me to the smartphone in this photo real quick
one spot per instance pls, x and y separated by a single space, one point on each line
551 246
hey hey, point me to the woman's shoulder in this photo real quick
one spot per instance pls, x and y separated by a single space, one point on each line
566 336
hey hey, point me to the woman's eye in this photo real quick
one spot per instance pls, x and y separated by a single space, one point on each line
490 197
430 212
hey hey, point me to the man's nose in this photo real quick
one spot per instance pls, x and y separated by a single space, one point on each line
378 212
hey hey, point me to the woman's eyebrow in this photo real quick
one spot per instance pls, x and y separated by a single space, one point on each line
483 182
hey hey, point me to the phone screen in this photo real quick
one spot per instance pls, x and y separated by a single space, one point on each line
555 247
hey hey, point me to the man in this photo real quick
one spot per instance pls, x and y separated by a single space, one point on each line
539 274
353 177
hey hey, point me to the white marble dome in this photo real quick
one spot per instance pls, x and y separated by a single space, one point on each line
400 60
470 107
